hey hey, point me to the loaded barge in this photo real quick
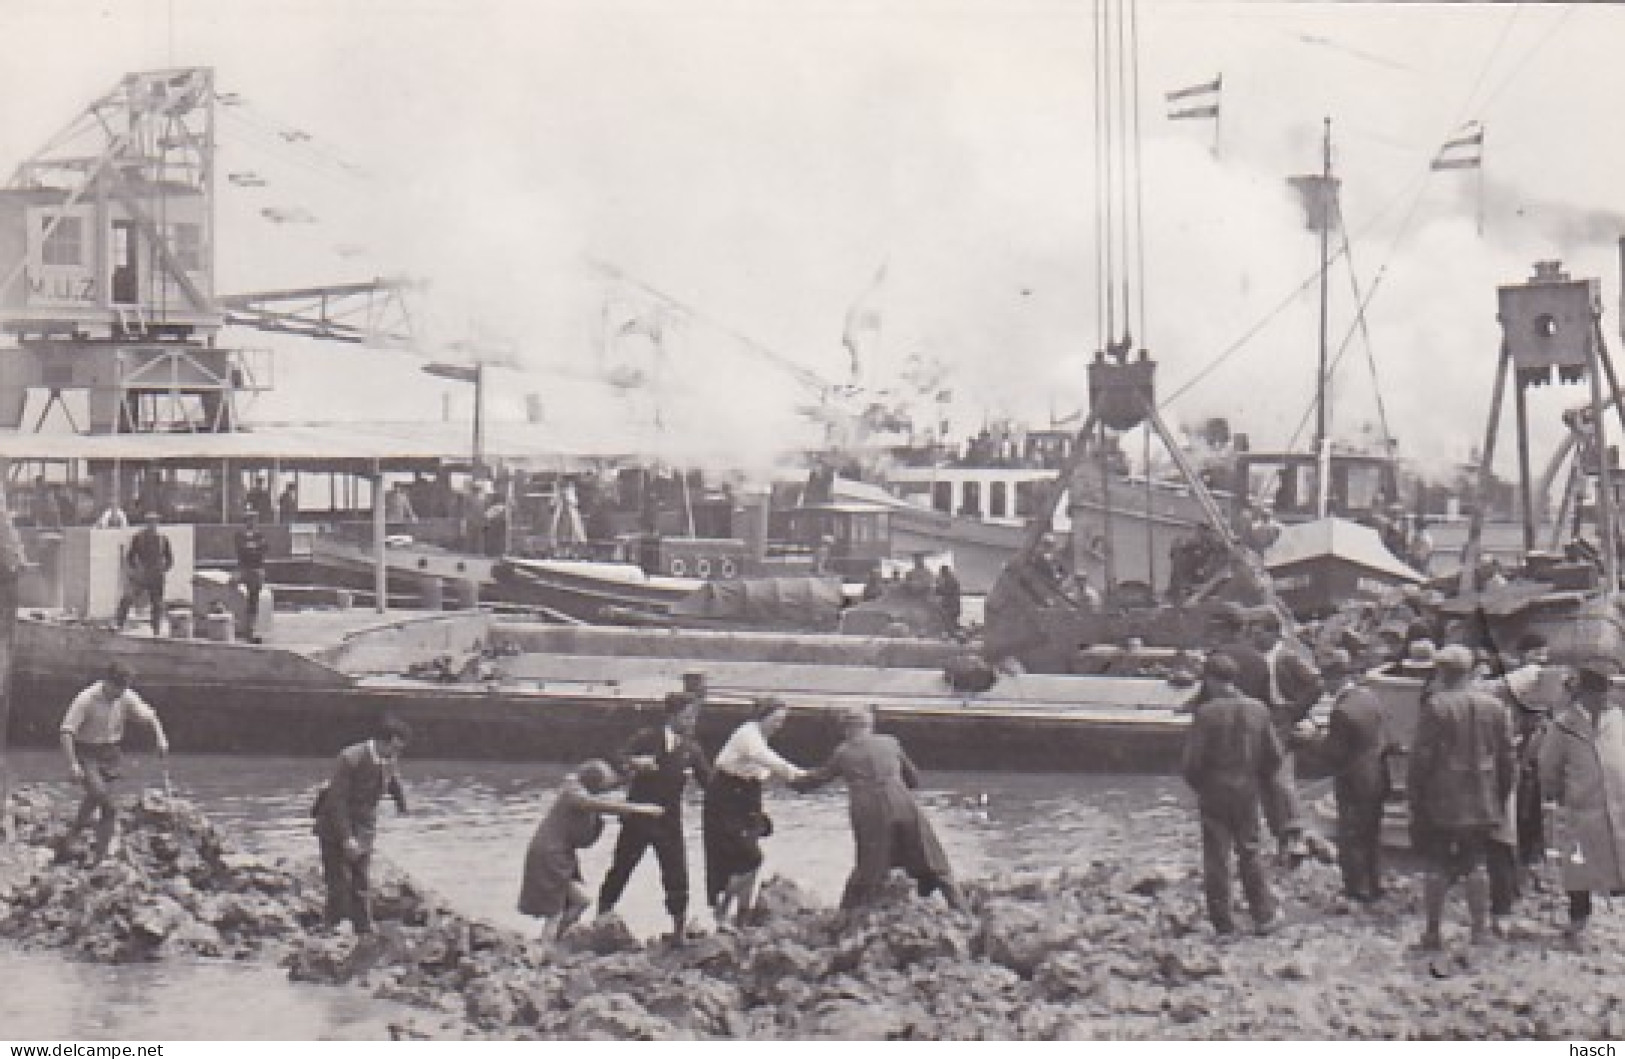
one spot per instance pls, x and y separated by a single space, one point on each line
484 687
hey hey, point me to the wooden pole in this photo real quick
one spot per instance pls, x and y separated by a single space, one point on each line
1520 405
1106 513
1609 542
1475 527
1043 518
1150 516
380 570
1571 490
11 566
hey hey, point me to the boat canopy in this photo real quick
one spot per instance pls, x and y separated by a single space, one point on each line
1336 538
813 600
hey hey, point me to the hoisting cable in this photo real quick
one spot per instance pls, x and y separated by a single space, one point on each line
1139 184
1103 302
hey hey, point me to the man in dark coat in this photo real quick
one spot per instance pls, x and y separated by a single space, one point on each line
258 499
252 548
889 830
948 593
1355 752
1232 758
659 761
147 561
347 821
874 585
1459 779
1294 688
1227 636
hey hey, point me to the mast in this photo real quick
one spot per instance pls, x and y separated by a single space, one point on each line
1325 226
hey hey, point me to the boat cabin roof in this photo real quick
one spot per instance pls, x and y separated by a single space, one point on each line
850 507
326 446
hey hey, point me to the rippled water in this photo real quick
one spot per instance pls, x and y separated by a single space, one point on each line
466 839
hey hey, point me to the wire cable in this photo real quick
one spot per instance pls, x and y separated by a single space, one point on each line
1143 323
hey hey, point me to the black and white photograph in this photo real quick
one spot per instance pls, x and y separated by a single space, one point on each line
871 520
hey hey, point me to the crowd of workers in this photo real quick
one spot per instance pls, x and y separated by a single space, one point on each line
1510 756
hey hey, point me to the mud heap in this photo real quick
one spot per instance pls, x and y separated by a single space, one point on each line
1117 950
171 886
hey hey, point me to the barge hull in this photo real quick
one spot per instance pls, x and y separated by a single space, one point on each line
471 722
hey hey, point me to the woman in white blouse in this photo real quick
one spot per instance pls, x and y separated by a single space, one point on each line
734 823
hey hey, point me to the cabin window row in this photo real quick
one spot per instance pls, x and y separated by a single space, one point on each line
63 243
970 499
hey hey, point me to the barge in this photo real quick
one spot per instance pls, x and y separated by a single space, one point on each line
473 685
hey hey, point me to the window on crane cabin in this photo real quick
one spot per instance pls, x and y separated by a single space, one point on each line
64 241
186 243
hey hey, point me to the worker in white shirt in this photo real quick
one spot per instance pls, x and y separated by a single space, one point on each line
733 821
91 733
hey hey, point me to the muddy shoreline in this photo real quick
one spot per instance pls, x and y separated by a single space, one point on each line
1117 950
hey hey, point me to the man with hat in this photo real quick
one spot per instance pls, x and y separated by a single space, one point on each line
659 760
1460 775
92 733
1356 749
1582 769
1232 758
1226 629
1294 688
1417 661
1529 689
252 548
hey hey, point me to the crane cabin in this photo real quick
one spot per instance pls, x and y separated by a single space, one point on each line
107 268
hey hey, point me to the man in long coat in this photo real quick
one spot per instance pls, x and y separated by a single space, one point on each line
1459 778
1582 769
1294 688
1232 760
1355 752
888 826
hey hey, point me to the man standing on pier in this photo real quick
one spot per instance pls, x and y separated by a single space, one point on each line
91 734
346 814
659 761
1232 760
251 548
148 560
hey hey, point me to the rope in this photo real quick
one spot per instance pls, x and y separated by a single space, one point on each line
1237 345
1365 334
1410 216
1280 307
1417 184
1120 115
1139 185
1359 326
1103 237
295 138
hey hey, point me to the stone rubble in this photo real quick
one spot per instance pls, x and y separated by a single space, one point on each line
1118 951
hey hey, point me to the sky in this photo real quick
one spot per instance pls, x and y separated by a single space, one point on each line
764 163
